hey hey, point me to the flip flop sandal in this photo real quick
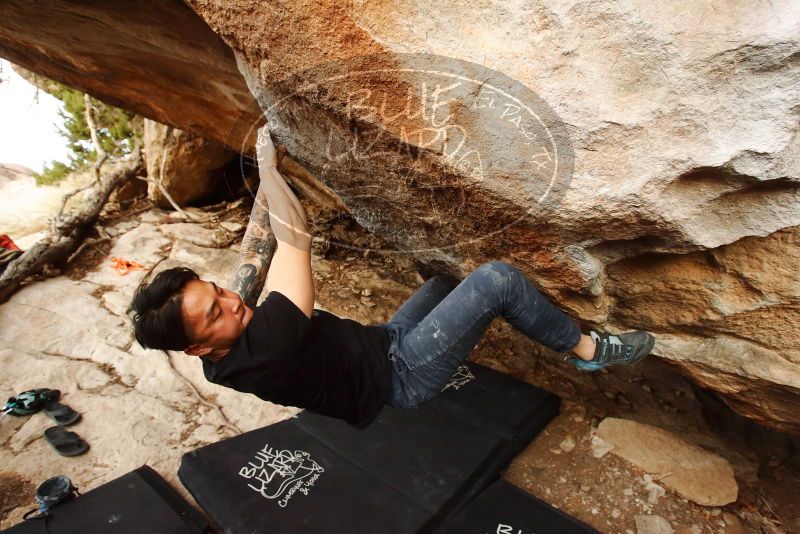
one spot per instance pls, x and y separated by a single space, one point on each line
61 413
31 401
65 443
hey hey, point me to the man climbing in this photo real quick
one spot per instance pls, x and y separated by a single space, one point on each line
289 353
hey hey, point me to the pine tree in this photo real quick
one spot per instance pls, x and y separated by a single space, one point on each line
117 131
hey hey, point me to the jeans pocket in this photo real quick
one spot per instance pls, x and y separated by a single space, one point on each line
414 359
410 365
409 390
397 331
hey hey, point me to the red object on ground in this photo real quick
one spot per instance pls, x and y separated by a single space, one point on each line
6 242
122 266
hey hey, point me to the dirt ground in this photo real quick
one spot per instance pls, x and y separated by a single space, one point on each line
14 491
607 492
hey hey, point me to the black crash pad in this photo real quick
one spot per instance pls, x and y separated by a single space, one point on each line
138 502
408 471
436 459
281 479
506 509
515 410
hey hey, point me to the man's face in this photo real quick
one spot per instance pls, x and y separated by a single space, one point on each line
214 317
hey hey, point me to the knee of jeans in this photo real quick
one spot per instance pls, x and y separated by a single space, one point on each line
499 272
496 266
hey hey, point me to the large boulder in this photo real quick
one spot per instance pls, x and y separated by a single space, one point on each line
187 166
691 471
155 58
675 201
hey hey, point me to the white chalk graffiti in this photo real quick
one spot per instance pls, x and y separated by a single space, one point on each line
281 473
461 378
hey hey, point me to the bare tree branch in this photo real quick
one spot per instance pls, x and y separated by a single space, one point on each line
101 153
67 230
102 156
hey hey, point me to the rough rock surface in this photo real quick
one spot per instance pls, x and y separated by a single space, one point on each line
186 165
153 57
691 471
684 143
652 524
160 399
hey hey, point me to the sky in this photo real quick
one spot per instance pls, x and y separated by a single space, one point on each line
28 132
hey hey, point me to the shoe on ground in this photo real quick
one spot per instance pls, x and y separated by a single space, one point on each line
65 443
619 349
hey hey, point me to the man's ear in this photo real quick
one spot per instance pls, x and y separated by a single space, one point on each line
197 350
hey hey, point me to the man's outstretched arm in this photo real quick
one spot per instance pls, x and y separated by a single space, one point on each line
290 268
277 238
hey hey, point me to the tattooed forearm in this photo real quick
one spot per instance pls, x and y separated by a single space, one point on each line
257 236
257 249
248 283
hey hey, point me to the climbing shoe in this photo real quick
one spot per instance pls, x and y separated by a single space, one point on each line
615 349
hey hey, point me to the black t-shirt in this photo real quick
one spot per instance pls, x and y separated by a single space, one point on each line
328 365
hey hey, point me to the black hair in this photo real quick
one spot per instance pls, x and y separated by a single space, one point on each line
156 310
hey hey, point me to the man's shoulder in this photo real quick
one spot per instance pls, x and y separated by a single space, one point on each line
208 367
214 369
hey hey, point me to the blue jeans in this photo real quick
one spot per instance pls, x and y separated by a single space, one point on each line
435 330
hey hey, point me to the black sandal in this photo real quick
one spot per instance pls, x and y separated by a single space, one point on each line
62 414
65 443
